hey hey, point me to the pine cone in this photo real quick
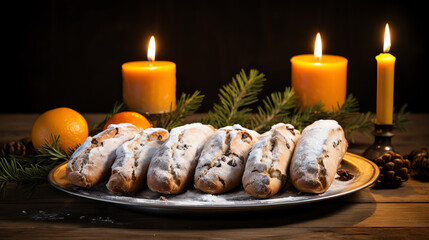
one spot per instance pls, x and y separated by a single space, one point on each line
21 147
420 163
394 170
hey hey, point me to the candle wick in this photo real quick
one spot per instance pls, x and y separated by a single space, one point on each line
317 58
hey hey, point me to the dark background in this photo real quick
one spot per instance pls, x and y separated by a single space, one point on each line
69 53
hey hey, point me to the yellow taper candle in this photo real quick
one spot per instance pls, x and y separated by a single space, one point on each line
318 78
149 86
385 82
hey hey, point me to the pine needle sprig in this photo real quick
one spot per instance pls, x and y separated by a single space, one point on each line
186 105
52 152
235 98
27 175
401 118
347 115
273 109
117 107
301 118
27 172
358 122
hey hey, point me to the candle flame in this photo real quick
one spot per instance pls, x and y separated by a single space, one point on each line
318 48
151 49
386 45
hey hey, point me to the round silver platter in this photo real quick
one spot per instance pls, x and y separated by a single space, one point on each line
193 201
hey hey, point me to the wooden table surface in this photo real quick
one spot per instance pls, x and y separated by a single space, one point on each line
401 213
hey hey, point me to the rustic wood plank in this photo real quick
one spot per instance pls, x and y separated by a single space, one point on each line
325 214
410 191
54 232
15 126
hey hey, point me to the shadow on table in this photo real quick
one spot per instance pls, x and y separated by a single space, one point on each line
63 208
336 212
296 215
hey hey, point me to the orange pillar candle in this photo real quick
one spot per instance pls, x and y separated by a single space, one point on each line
385 80
318 78
149 86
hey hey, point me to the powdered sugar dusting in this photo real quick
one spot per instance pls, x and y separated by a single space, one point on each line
310 146
269 160
223 158
148 131
92 161
129 170
176 158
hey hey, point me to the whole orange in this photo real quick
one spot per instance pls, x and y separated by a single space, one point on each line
134 118
68 124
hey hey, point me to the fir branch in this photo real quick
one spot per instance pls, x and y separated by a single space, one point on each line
186 105
302 118
28 172
358 122
401 119
117 107
235 98
347 115
52 151
275 107
351 105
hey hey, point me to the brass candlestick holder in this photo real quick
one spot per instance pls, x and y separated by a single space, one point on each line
383 134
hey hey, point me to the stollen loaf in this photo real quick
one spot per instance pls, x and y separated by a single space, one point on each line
129 171
268 163
173 165
317 156
91 162
223 158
